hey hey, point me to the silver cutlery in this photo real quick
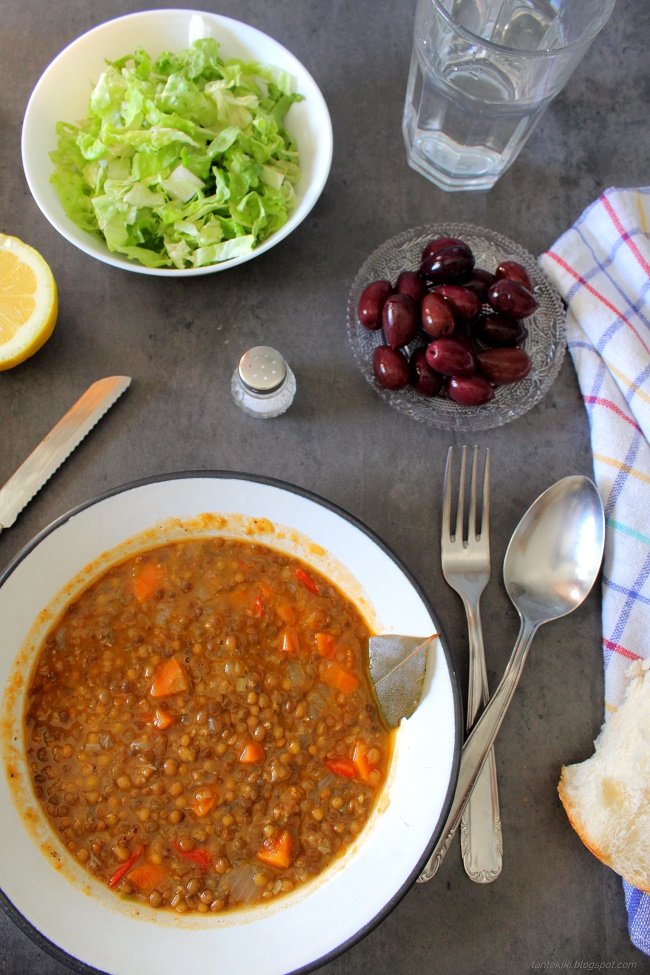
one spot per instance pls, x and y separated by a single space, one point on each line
57 445
551 564
465 557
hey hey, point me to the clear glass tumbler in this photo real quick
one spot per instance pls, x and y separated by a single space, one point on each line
482 73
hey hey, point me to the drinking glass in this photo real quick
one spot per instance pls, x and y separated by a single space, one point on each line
482 73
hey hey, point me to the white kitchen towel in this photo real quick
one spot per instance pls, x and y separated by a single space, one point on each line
601 267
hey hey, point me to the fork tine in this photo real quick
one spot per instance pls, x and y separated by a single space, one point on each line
473 530
485 520
446 504
461 497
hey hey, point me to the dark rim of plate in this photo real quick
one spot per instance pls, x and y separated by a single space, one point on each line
84 968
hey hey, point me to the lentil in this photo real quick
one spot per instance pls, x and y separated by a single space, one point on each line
236 747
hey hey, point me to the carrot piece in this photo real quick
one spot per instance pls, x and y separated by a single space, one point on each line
259 607
265 589
170 678
362 766
253 752
306 580
360 761
285 611
289 642
338 677
277 850
340 766
199 855
146 876
122 870
326 644
162 719
240 599
147 579
204 800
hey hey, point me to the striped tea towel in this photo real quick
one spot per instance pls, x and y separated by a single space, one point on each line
601 266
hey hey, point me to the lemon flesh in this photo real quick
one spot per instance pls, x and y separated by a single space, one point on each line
28 301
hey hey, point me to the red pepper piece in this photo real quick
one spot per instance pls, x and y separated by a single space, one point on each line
122 871
340 766
306 580
199 855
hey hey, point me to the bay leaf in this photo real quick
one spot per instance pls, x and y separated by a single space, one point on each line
398 666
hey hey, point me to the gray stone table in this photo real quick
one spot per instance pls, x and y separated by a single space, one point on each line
180 341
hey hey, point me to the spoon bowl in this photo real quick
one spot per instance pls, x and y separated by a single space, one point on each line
549 567
551 564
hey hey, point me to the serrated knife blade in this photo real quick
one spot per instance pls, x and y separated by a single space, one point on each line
57 445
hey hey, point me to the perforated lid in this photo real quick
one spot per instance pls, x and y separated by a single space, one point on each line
262 369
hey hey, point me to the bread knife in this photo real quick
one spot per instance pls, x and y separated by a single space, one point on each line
57 445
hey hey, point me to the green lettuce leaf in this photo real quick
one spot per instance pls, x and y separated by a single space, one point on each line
183 161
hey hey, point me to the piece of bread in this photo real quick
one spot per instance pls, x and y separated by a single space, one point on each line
607 797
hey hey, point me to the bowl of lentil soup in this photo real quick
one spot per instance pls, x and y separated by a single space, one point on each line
189 735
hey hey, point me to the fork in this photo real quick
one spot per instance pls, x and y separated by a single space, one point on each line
466 567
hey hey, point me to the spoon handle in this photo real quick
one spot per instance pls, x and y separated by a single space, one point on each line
481 843
479 743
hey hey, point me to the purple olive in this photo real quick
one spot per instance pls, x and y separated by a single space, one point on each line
448 264
499 330
390 367
512 299
450 357
438 243
413 284
437 316
465 305
423 379
479 282
469 390
514 271
503 366
371 303
399 320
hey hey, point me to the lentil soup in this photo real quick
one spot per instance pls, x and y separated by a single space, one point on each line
200 727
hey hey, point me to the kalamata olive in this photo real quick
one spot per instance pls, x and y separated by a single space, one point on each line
438 243
479 282
450 357
503 366
463 339
448 264
469 390
371 303
465 305
423 379
437 316
499 330
390 367
511 298
514 271
399 320
413 284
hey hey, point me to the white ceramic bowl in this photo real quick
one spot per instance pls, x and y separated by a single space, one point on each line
79 920
62 93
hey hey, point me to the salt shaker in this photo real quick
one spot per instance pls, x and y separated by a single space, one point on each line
263 385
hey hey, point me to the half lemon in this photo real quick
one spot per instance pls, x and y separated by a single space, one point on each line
28 301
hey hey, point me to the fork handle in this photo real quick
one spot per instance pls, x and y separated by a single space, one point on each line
481 840
478 687
479 743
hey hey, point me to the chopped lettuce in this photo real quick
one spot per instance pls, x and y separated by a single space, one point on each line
183 161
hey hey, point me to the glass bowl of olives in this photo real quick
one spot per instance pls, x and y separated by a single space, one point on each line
456 326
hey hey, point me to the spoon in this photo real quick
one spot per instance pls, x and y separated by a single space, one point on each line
551 564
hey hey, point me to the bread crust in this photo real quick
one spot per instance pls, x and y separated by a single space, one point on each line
607 797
